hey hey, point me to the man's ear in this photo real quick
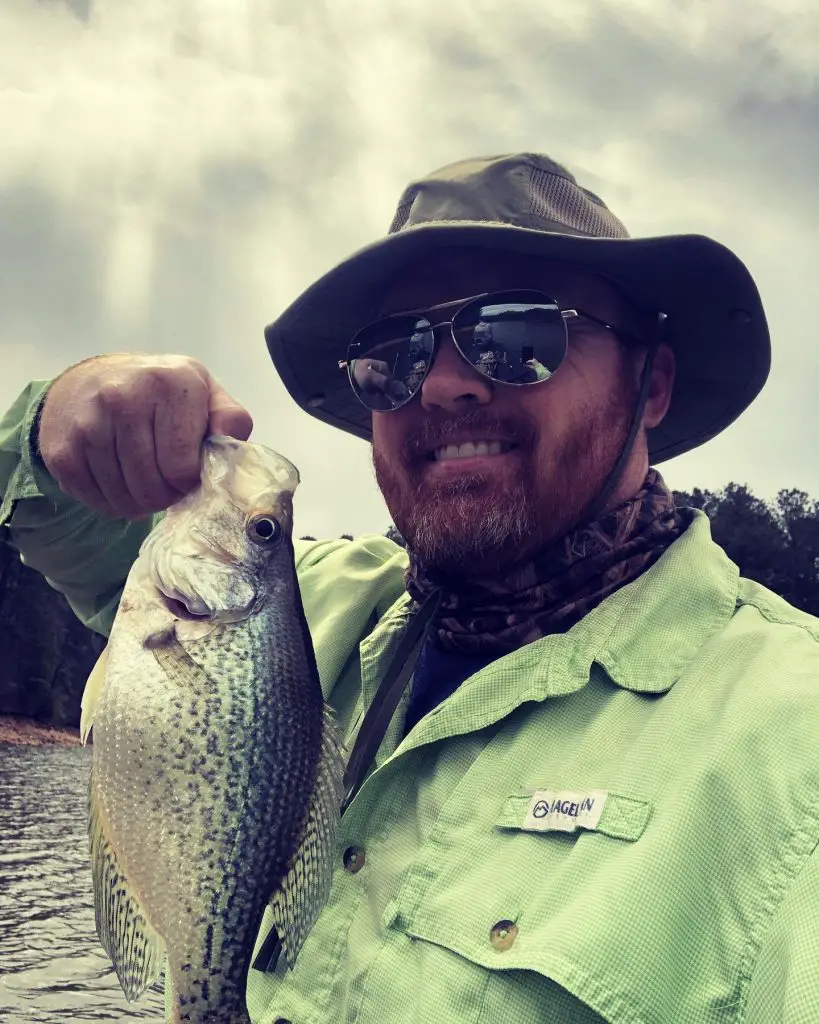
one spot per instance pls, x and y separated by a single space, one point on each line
662 384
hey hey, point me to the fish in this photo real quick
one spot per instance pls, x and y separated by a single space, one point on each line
217 767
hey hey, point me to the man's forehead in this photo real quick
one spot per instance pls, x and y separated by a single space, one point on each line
459 273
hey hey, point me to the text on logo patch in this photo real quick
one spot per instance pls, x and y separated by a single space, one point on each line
564 810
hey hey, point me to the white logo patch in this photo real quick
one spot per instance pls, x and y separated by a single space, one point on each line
564 810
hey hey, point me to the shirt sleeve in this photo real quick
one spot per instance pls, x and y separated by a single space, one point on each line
784 987
84 555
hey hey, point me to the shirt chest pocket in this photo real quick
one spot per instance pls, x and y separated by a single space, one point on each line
531 896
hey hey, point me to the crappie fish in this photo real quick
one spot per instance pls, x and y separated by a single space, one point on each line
217 769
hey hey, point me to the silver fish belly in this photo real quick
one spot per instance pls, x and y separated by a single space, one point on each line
216 778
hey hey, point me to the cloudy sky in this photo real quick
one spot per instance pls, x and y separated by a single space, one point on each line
174 172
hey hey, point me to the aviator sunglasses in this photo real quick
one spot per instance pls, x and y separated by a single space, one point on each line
512 337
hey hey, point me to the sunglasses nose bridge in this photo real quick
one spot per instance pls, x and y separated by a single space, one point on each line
451 381
440 336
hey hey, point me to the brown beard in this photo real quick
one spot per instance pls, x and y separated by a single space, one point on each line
466 527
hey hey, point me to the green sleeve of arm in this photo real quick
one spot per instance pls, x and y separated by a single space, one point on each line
81 553
784 986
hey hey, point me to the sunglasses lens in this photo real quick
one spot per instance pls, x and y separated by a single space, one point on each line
514 337
389 359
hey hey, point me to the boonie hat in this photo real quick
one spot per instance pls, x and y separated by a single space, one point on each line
527 203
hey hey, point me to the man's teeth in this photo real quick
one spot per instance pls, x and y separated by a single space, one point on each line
470 449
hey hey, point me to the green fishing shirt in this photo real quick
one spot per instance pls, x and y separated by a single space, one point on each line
615 824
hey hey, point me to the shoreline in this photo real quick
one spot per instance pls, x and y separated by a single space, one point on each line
27 732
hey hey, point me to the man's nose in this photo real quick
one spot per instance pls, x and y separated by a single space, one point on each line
452 384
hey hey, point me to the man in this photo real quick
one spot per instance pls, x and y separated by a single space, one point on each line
598 797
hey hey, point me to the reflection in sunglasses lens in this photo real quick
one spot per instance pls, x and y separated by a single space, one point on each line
518 341
391 360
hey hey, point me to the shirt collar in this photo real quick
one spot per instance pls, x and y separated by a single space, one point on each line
645 634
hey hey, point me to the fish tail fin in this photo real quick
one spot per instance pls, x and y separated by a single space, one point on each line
134 947
91 694
297 902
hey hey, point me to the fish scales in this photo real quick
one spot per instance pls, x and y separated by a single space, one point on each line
216 775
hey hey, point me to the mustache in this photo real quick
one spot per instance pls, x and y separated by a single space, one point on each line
437 430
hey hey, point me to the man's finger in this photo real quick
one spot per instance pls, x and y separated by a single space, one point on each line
226 416
136 453
75 480
106 471
179 429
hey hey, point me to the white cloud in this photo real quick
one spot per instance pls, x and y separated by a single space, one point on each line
172 174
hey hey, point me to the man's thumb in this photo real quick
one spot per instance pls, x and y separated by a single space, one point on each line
226 416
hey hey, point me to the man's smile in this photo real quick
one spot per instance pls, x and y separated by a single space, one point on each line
483 456
469 450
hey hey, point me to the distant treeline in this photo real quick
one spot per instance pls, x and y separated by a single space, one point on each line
774 542
46 654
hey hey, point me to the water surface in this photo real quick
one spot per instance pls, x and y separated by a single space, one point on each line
52 967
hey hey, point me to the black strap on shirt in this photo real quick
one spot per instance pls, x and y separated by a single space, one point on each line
379 713
371 734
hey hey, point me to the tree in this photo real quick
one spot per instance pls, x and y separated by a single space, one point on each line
775 542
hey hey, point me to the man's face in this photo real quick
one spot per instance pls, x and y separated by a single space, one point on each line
473 514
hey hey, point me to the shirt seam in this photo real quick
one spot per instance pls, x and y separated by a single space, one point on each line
794 860
777 619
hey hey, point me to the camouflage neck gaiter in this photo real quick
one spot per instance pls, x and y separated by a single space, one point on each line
560 584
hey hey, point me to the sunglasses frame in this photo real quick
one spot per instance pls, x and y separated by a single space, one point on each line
567 313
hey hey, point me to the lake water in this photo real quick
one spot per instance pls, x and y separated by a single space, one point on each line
52 967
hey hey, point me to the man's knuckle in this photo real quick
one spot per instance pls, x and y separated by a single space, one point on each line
59 457
182 383
90 430
112 395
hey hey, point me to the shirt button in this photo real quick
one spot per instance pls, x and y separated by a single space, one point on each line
354 858
503 934
281 1020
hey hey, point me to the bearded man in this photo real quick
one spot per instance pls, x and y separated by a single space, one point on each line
583 779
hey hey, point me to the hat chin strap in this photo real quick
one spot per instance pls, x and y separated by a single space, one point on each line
598 504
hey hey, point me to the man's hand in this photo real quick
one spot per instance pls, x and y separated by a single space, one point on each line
123 433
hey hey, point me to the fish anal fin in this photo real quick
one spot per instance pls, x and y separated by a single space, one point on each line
300 897
128 938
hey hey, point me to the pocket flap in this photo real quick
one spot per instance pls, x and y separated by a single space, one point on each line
596 810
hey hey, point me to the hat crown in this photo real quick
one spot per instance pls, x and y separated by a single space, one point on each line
526 190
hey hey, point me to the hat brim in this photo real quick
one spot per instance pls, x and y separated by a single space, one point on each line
716 322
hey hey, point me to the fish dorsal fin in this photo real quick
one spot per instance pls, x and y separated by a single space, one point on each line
91 694
297 902
135 949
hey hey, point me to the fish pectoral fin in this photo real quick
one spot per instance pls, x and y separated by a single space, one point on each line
91 694
176 663
128 938
297 902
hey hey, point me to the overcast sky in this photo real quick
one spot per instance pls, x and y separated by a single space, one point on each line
174 172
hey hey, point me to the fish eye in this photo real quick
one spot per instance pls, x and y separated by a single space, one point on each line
264 530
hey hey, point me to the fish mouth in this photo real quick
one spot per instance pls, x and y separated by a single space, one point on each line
180 610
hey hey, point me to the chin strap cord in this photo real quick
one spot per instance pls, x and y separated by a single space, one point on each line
599 503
